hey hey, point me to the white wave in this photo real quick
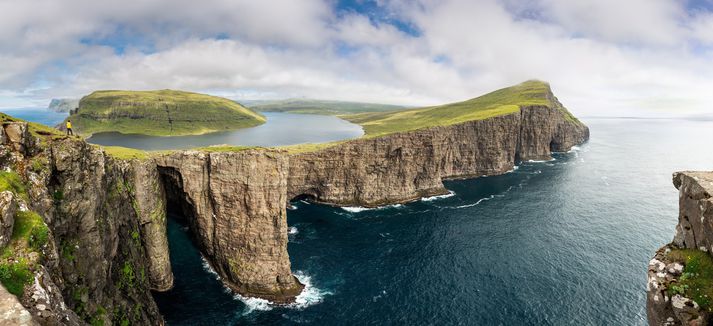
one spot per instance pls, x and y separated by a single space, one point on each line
432 198
254 304
574 148
357 209
310 295
292 230
541 161
291 207
479 201
305 202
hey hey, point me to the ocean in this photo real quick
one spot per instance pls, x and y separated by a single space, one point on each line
562 242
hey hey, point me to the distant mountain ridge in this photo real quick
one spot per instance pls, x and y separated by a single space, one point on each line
324 107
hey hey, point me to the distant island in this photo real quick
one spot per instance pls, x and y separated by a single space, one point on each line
160 113
63 104
324 107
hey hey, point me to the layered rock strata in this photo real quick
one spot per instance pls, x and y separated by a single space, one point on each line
107 217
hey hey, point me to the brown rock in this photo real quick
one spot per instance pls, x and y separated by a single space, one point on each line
7 216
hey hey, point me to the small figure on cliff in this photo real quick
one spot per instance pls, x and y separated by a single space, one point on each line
69 128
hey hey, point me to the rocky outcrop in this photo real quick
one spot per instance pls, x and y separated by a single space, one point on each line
7 216
12 313
106 246
63 104
405 166
235 205
666 286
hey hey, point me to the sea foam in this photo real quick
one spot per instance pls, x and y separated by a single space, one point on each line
357 209
309 296
432 198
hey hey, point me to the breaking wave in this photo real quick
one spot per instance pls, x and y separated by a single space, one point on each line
309 296
432 198
357 209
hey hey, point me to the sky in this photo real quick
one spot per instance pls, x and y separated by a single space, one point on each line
601 57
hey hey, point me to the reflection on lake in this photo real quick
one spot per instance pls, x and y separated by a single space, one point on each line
279 130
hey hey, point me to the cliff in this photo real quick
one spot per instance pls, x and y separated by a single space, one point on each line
93 251
104 217
680 275
405 166
63 104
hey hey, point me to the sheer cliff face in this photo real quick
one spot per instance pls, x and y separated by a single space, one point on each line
107 217
406 166
235 204
107 242
666 305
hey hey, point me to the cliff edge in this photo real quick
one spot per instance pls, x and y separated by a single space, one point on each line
680 275
97 242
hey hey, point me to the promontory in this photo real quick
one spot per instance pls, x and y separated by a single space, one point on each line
160 113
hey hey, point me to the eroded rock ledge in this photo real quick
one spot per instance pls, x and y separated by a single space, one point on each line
671 298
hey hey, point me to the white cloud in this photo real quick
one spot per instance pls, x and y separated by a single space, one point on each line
601 57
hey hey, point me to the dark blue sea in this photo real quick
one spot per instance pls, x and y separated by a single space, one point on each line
564 242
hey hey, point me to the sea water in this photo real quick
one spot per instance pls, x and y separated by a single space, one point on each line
563 242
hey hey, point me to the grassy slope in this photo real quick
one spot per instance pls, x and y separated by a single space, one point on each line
160 113
500 102
305 106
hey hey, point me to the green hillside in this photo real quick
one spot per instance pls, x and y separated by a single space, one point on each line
160 113
500 102
307 106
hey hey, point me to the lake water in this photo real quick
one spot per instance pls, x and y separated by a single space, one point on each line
280 129
39 115
565 242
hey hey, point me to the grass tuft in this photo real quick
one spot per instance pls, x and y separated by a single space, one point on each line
696 282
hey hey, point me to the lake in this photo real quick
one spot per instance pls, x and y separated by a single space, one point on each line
279 130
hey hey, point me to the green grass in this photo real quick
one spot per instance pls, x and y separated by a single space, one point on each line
501 102
224 148
303 148
696 282
307 106
11 181
160 113
125 153
15 275
29 234
30 227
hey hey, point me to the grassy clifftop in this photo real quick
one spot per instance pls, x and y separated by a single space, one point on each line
160 113
500 102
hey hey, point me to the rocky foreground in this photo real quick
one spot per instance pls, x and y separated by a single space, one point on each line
680 275
97 246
